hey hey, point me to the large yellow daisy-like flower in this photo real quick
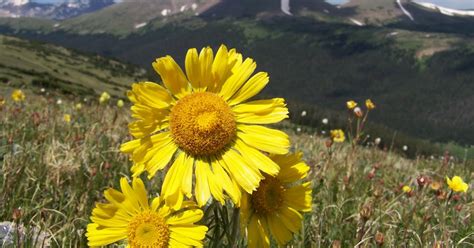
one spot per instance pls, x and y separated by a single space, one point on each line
199 123
129 216
277 204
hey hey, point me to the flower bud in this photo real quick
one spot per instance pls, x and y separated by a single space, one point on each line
366 212
358 112
379 238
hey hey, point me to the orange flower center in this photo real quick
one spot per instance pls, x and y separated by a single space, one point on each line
148 229
202 124
269 196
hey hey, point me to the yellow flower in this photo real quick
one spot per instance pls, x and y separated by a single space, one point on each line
406 189
128 215
351 104
369 104
67 118
104 98
120 103
18 95
338 135
457 184
275 207
78 106
2 101
199 123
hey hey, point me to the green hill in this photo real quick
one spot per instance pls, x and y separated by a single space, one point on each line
31 63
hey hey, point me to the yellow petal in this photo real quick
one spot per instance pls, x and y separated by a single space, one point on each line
299 197
251 88
261 111
263 138
101 237
206 57
258 238
130 146
114 196
230 186
171 188
172 76
255 157
247 177
280 232
202 190
161 158
238 78
140 129
188 235
185 218
187 179
290 218
140 192
130 196
150 94
220 67
292 168
104 210
193 68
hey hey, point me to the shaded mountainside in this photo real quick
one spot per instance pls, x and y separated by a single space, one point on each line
324 64
41 65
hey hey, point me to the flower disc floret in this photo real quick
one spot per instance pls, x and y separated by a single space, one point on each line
148 229
269 196
202 124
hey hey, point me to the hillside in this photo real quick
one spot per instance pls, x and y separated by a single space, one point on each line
30 63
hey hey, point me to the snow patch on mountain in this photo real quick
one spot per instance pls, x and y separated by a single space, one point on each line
445 11
285 7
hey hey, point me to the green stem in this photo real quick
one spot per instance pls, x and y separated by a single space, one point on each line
234 241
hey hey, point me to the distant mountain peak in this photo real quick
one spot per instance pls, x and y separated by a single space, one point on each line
14 2
59 11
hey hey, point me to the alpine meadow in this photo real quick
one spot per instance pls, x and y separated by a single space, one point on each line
236 123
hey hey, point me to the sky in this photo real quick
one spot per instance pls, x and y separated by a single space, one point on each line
456 4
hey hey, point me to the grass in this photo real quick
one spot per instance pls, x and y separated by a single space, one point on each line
53 172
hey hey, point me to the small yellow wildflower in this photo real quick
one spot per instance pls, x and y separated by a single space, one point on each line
276 208
369 104
18 95
120 103
2 101
457 184
130 215
67 118
338 135
104 98
78 106
406 189
351 104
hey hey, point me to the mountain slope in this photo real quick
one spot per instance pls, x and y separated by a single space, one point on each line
23 62
326 64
